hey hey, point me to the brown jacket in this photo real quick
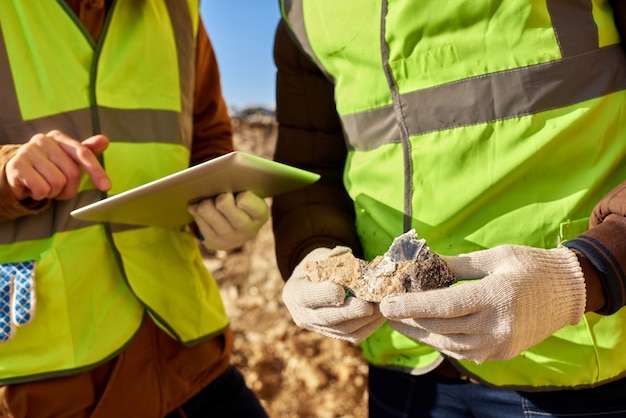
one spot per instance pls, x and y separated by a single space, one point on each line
155 374
310 136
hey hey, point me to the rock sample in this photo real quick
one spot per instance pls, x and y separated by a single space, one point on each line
407 266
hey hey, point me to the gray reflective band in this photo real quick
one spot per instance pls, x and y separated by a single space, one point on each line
574 27
161 125
45 224
8 95
295 13
182 25
157 125
494 97
54 219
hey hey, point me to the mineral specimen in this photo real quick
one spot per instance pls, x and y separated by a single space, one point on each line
407 266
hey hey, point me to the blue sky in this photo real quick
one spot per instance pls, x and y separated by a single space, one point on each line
242 32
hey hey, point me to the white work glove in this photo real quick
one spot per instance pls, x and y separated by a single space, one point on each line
323 307
17 297
227 222
523 296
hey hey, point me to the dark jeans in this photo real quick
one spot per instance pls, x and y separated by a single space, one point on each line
393 395
225 397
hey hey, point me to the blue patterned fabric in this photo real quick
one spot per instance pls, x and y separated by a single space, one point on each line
17 297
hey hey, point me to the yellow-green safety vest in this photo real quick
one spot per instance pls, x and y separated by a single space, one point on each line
95 282
500 123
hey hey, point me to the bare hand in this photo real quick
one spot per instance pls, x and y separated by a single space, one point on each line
49 166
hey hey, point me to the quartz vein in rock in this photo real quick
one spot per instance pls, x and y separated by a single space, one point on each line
407 266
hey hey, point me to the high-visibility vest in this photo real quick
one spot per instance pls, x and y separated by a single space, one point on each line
497 123
96 282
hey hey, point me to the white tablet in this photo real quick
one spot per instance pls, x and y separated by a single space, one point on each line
164 202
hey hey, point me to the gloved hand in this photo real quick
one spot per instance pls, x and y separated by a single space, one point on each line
525 294
17 297
227 222
323 307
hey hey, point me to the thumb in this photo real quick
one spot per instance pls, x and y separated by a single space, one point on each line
252 204
302 292
474 265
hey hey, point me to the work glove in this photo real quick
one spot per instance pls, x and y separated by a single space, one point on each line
523 296
228 221
17 297
323 307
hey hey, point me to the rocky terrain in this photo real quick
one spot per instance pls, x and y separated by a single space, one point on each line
295 373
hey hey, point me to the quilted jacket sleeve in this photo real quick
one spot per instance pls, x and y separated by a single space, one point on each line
309 137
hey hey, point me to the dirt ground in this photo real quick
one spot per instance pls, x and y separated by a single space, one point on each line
295 373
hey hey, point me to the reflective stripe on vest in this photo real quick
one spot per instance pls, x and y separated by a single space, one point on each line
95 282
504 123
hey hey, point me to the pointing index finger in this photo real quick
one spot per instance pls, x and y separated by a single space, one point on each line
85 155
